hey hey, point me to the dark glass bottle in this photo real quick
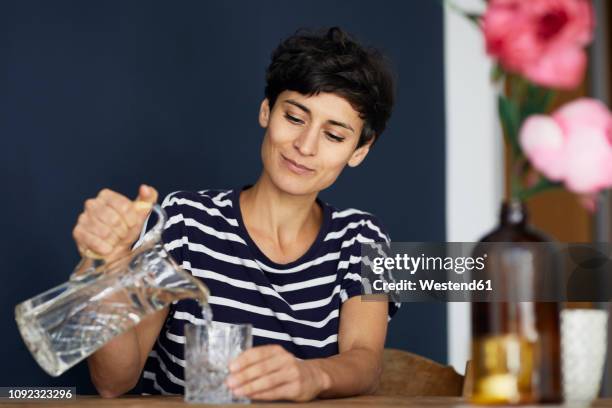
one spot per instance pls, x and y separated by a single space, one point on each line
516 344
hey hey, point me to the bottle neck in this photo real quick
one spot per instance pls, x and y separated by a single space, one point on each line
513 213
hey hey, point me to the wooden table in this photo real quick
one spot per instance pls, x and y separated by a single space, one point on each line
175 401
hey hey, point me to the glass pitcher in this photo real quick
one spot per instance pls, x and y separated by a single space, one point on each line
66 324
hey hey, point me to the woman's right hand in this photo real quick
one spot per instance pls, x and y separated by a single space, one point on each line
110 223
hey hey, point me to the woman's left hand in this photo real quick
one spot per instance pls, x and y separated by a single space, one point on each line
272 373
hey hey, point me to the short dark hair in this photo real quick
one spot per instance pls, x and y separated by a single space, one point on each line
310 62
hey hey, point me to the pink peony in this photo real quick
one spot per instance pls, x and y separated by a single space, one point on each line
574 145
542 40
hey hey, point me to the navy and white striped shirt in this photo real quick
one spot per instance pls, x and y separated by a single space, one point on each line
296 305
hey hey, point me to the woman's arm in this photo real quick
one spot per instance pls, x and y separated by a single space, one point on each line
272 373
361 341
116 367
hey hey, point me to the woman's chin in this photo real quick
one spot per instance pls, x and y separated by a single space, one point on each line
293 186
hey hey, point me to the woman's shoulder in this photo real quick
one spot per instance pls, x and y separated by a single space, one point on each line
353 221
218 196
214 197
202 203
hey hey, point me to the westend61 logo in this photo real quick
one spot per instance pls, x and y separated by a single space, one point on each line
412 264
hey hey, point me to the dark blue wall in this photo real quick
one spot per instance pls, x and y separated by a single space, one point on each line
115 93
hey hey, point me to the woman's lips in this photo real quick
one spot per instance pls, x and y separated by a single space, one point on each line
295 167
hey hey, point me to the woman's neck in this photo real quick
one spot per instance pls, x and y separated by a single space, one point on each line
283 218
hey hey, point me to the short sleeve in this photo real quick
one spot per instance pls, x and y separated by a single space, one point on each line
352 284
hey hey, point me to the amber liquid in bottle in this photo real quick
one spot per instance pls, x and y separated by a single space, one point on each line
515 345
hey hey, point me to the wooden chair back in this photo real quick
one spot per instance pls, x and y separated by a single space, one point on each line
409 375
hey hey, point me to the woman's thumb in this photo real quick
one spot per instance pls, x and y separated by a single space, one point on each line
147 194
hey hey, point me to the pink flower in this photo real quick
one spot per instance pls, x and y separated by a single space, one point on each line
573 146
542 40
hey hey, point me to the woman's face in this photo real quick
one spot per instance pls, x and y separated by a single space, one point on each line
309 140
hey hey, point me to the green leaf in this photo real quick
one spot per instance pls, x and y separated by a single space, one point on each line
548 99
542 185
474 18
538 101
509 115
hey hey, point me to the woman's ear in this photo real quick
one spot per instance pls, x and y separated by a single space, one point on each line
264 113
360 154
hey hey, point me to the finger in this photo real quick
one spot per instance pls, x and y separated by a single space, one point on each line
96 227
254 355
147 194
118 202
121 205
88 253
262 368
99 210
286 391
92 242
141 207
264 383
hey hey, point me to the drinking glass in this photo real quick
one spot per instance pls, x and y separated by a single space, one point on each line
209 349
584 343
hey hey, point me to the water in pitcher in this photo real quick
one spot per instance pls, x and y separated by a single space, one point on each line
68 323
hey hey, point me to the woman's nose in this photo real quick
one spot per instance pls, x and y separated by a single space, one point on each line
306 143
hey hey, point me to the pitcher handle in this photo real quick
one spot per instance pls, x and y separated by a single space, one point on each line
89 265
155 233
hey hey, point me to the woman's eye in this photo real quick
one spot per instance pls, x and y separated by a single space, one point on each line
293 119
334 137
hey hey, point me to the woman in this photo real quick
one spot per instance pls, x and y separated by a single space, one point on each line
273 254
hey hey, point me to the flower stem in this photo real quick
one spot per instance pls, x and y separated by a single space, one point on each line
516 175
542 185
